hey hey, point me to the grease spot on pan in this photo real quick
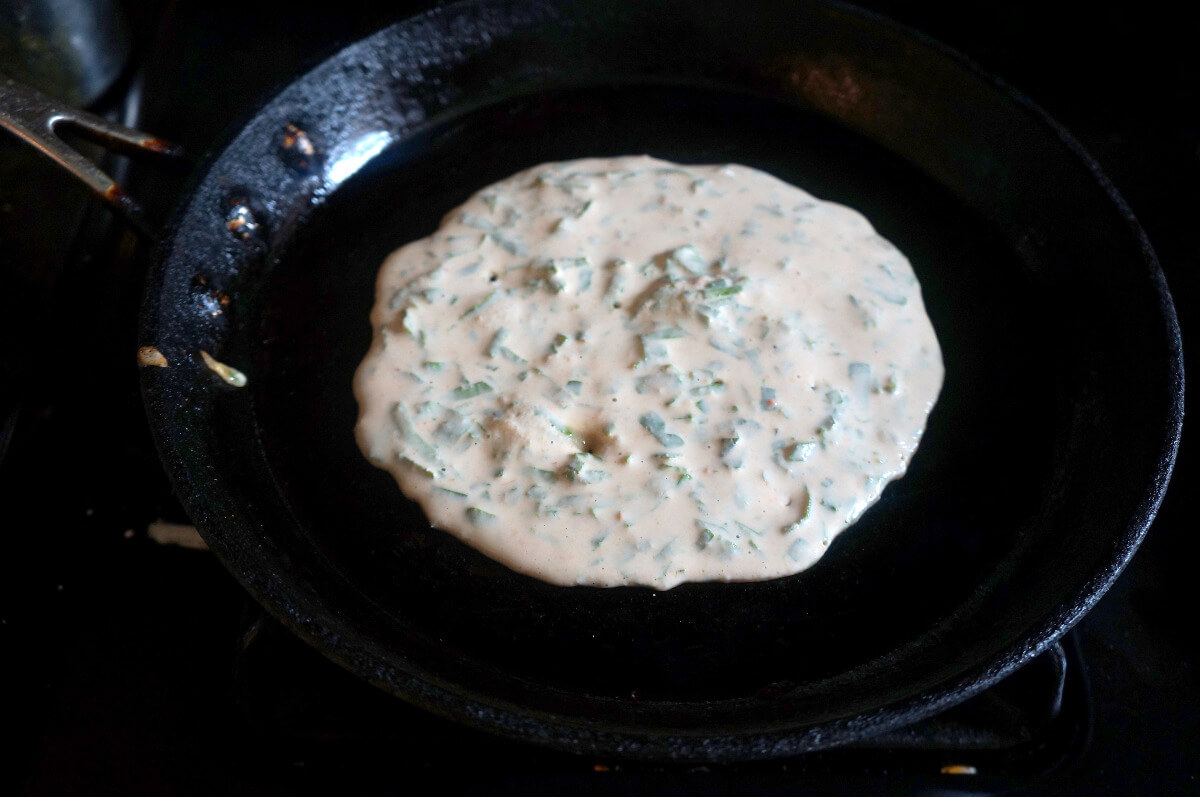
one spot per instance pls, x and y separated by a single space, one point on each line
150 356
228 373
242 218
298 150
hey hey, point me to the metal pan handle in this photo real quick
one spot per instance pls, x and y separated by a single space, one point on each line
36 118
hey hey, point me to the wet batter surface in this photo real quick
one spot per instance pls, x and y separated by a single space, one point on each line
627 371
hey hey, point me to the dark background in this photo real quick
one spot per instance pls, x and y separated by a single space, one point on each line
118 653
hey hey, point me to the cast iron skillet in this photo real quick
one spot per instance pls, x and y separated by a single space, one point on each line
1043 463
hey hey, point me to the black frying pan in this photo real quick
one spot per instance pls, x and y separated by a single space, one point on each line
1041 469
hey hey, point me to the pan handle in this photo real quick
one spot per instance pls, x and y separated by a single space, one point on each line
36 118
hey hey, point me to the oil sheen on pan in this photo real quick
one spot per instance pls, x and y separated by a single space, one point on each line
626 371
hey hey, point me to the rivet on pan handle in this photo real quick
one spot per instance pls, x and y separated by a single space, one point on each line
35 118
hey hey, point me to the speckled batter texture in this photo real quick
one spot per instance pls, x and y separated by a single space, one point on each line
628 371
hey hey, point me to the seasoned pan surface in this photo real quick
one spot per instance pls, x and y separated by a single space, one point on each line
1041 468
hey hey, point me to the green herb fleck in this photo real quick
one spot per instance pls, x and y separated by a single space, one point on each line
723 291
655 425
859 371
558 425
453 427
687 258
470 391
479 516
491 297
795 552
667 333
582 469
497 342
716 386
413 463
799 452
408 433
747 529
512 356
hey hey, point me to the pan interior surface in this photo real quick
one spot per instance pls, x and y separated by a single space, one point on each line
907 564
1033 481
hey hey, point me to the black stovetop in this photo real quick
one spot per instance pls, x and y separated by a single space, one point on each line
135 667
